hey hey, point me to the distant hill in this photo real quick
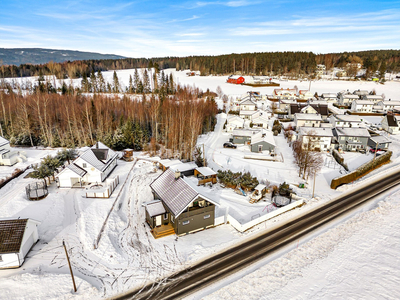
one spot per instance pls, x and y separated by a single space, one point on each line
18 56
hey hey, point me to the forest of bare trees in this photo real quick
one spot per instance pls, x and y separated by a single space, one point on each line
72 120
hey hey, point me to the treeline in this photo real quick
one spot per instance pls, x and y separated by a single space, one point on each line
54 120
263 63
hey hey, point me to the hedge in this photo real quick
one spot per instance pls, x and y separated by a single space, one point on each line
362 171
339 159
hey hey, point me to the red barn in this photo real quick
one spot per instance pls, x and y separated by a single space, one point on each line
236 79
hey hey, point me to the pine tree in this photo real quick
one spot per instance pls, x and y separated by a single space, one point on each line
136 82
130 90
101 82
116 87
93 82
146 82
85 85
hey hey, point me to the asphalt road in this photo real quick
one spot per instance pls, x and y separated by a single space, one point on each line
230 261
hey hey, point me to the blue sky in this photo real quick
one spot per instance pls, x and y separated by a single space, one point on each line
181 28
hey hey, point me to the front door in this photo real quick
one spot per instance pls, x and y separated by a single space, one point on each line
158 221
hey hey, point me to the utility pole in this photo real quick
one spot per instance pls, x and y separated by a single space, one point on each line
70 269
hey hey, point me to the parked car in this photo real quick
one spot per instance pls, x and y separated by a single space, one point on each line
229 145
373 150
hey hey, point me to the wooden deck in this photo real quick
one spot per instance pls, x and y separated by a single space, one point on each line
163 230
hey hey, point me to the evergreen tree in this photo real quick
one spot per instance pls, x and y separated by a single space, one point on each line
85 85
136 82
130 89
93 82
116 86
101 82
146 82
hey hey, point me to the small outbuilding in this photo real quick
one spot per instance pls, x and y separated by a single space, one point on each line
127 154
235 79
17 236
205 174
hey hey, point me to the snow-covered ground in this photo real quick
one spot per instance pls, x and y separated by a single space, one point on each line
128 256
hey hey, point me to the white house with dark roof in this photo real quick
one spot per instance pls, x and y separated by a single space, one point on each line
17 236
9 157
92 166
260 122
391 124
186 209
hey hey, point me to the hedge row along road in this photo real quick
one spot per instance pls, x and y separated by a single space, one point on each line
232 260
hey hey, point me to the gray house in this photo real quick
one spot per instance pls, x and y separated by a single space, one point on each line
180 206
379 142
263 143
244 136
351 139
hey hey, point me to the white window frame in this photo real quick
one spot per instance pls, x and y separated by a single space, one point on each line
207 216
185 222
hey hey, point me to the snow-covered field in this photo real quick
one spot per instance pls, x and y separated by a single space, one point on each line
360 249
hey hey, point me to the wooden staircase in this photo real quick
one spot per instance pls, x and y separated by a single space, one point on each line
163 230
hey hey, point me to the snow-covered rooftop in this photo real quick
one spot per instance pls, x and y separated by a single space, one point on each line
353 131
155 208
316 131
348 118
268 137
3 141
206 171
315 117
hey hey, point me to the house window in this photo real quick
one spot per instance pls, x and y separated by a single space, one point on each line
185 222
1 259
172 219
207 216
84 165
166 216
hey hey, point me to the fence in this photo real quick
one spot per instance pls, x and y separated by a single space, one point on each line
97 191
243 227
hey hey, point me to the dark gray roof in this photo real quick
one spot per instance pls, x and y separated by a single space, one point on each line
391 119
322 109
11 234
77 169
175 193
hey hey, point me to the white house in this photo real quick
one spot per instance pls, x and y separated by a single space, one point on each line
9 157
389 105
17 236
329 97
284 104
305 95
373 98
346 121
347 99
249 114
234 122
360 93
391 124
92 166
260 122
307 120
285 93
247 104
320 139
362 106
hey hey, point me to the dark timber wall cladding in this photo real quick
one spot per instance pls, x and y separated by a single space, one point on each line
362 171
194 220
